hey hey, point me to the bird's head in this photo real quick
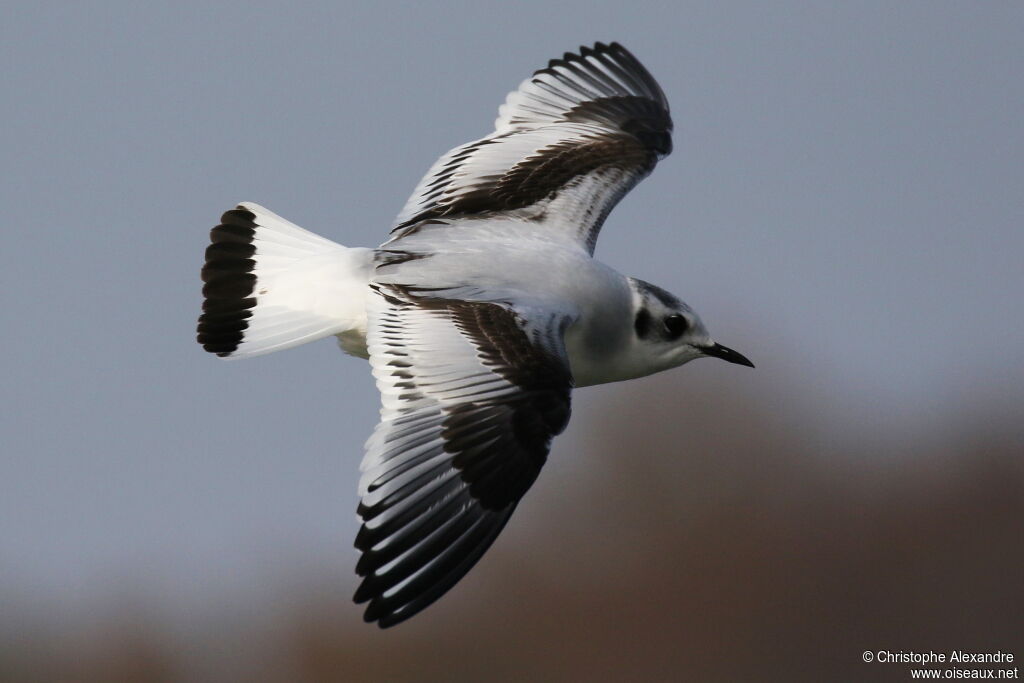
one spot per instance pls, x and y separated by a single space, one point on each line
669 333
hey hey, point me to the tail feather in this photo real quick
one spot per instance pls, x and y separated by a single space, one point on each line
271 285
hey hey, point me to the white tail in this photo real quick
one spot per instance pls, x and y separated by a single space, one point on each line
271 285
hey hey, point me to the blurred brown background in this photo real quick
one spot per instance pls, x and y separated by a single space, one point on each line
720 539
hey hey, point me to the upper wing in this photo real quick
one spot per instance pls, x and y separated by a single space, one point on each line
472 394
567 145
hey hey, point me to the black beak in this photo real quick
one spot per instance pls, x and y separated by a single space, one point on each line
725 353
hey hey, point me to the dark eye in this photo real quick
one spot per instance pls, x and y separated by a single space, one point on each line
676 326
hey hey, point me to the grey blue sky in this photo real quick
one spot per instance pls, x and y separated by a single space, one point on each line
845 205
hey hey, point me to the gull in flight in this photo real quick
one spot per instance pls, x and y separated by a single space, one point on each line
479 314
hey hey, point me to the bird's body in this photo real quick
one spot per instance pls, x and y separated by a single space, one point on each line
479 315
597 298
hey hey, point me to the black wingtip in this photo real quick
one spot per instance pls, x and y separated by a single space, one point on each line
586 50
391 602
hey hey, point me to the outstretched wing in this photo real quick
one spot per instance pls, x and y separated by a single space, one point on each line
472 394
567 145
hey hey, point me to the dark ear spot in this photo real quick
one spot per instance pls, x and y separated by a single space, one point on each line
642 325
676 325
